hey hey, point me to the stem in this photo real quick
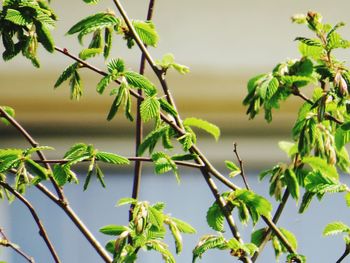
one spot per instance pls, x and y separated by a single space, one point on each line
133 159
345 254
275 219
33 143
227 214
139 126
7 243
42 231
241 166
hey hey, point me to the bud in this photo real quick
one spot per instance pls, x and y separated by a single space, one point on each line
299 18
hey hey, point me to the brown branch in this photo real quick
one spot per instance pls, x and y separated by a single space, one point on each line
133 159
139 126
42 231
33 143
7 243
345 254
241 166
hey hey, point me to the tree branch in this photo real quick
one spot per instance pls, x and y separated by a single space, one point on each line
42 231
33 143
345 254
139 126
241 166
7 243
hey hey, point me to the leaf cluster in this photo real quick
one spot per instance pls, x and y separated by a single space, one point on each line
23 25
146 230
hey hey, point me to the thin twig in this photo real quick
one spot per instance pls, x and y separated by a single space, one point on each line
345 254
33 143
240 165
267 234
139 126
7 243
42 231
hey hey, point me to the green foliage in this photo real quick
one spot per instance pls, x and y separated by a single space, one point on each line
335 228
204 125
10 111
146 31
164 163
24 24
150 109
146 230
168 61
152 138
233 168
215 217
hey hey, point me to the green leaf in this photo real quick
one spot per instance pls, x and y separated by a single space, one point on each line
254 202
126 201
204 125
139 81
168 61
37 169
76 150
290 237
113 230
66 74
347 199
91 1
146 32
289 148
257 236
177 237
111 158
342 136
183 226
163 163
319 183
207 242
335 228
215 217
76 86
292 183
121 97
306 200
89 53
151 139
150 109
321 165
16 17
10 111
103 83
100 176
310 51
233 168
60 174
116 66
108 42
167 107
45 37
93 23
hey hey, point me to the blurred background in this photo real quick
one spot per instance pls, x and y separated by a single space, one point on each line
224 43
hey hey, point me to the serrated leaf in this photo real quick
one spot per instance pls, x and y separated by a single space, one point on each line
37 169
177 237
76 87
108 42
89 53
215 217
233 168
113 230
206 243
66 74
60 174
257 236
183 226
292 183
151 139
335 228
321 165
150 109
305 202
10 111
168 61
204 125
163 163
137 80
126 201
146 31
111 158
16 17
76 150
116 65
167 107
103 83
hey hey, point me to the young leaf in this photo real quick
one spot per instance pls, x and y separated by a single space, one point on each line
168 108
150 109
126 201
206 243
335 228
113 230
183 226
233 168
215 217
146 32
66 74
321 165
163 163
168 61
37 169
116 65
111 158
10 111
204 125
103 83
89 53
151 139
139 81
292 183
60 174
